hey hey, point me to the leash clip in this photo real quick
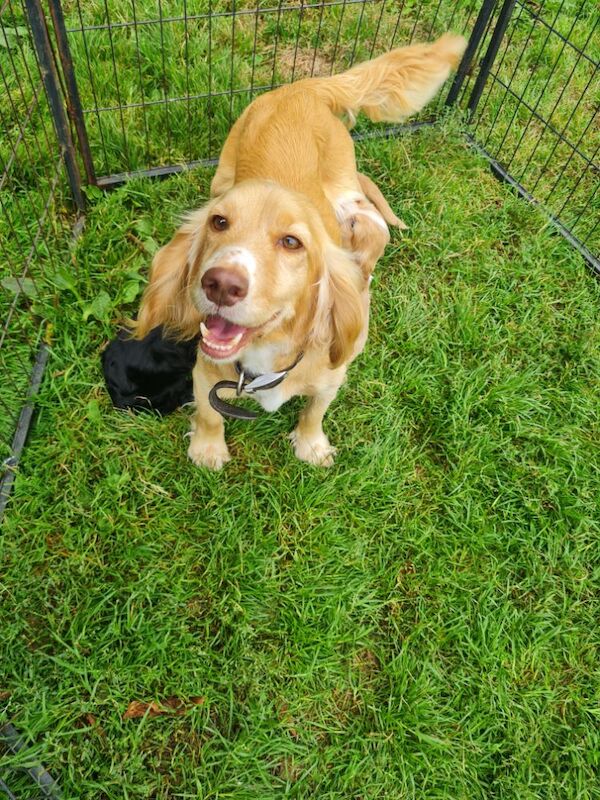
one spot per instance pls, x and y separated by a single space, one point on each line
267 381
240 384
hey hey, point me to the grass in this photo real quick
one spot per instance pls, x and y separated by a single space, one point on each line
420 621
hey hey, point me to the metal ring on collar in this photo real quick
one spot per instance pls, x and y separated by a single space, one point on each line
240 383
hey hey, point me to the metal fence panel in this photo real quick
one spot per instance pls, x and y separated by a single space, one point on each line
34 225
191 72
536 113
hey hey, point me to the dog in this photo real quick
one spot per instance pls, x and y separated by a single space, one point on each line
261 269
151 374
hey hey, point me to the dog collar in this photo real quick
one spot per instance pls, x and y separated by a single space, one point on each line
249 383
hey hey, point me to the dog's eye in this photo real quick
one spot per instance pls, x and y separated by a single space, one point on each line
291 243
219 223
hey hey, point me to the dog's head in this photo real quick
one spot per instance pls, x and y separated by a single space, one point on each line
255 264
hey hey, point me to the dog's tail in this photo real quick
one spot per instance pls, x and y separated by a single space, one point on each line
395 85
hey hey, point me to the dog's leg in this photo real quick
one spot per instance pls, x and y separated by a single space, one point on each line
310 443
207 439
373 193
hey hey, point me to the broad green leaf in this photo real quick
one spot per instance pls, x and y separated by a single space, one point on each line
99 308
130 291
19 285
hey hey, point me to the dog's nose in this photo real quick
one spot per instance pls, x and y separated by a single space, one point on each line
225 287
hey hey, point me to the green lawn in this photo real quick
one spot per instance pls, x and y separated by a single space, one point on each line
421 621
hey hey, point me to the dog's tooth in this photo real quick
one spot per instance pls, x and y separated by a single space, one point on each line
223 348
204 331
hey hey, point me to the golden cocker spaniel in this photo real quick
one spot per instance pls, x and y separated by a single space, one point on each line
274 270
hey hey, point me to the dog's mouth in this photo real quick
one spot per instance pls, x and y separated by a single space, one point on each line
222 339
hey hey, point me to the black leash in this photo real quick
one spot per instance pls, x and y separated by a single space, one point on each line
248 383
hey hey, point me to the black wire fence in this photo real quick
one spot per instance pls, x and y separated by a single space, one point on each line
98 92
178 110
36 205
534 112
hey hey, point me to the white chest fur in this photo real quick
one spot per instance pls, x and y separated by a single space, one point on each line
271 399
260 359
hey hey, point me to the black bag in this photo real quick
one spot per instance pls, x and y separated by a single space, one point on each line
151 374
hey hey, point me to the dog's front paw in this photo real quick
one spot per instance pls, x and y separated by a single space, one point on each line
209 454
314 450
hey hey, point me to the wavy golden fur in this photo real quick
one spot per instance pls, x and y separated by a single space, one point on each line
278 261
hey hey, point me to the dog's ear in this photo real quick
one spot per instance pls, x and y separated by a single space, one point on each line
340 312
166 300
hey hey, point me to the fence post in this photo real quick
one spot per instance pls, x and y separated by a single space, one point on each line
491 53
74 108
50 77
477 34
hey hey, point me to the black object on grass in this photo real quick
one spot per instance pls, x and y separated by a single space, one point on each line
151 374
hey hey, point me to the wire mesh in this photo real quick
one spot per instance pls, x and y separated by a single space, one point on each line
164 88
538 115
166 82
33 226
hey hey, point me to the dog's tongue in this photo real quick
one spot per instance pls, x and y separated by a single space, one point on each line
221 329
